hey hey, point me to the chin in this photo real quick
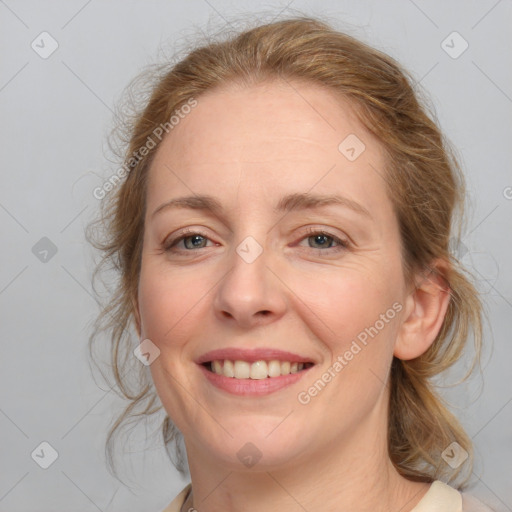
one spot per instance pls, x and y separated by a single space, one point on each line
254 449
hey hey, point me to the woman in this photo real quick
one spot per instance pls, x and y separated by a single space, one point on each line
282 236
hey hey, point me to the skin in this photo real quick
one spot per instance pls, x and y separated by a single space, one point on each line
248 147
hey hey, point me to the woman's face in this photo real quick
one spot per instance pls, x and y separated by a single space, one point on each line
267 272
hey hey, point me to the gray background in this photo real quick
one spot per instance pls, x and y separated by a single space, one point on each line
55 114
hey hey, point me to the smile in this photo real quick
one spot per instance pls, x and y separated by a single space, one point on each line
256 370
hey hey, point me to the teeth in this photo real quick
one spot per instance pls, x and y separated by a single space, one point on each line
217 367
242 370
274 368
257 370
229 369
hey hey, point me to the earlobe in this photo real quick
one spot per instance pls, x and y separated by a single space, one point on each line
424 312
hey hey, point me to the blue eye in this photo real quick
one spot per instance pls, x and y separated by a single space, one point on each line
322 238
196 241
193 240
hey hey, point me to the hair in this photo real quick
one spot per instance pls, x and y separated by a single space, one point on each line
424 182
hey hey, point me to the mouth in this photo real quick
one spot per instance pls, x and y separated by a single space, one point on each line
255 370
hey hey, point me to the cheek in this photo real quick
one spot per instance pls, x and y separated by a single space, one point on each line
356 318
355 315
346 301
169 303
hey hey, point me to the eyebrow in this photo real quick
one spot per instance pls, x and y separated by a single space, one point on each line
291 202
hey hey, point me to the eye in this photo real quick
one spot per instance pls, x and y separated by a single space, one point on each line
323 240
191 240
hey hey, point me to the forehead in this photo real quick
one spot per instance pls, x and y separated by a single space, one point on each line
271 137
235 117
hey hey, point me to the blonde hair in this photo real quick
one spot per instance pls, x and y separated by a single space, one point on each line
424 182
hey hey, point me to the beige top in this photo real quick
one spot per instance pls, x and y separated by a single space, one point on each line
439 498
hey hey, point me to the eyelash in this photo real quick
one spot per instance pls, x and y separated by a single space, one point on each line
342 244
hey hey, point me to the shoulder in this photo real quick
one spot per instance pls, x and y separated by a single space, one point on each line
472 504
442 498
177 502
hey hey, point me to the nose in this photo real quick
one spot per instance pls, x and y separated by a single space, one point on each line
250 293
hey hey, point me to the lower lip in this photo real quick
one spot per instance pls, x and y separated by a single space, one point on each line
252 387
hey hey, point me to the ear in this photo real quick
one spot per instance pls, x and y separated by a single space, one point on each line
424 312
136 314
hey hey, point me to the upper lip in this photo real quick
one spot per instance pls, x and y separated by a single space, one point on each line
252 355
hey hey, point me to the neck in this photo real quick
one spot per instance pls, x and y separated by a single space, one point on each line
353 474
